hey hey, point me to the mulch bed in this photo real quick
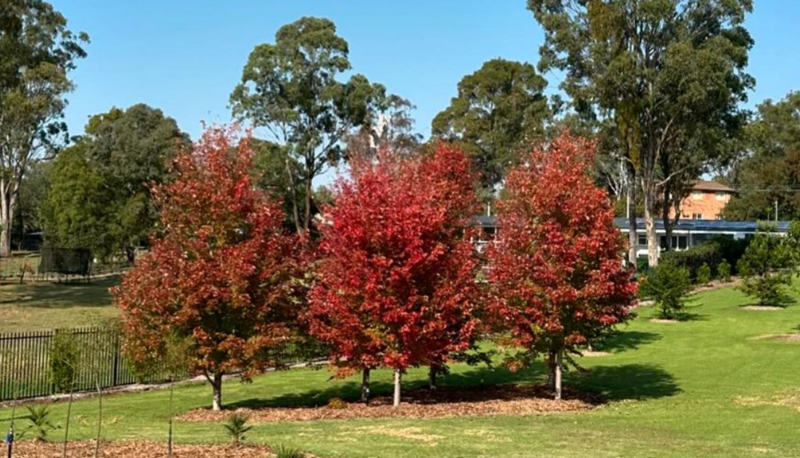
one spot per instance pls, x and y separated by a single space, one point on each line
422 403
85 449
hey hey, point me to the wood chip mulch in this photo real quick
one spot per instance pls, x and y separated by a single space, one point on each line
85 449
422 403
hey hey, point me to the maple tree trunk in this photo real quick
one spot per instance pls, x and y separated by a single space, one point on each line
365 386
633 239
557 375
99 420
650 228
551 370
171 421
397 380
216 386
432 377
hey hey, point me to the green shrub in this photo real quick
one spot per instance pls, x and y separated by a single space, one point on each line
282 451
64 354
724 271
40 424
703 274
236 427
767 267
711 252
668 285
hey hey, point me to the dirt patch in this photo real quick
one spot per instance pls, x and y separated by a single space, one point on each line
85 449
789 338
594 354
790 398
762 308
664 321
412 433
423 403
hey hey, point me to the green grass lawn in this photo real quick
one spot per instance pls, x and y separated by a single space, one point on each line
700 388
44 306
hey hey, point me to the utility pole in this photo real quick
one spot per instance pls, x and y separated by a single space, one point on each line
776 210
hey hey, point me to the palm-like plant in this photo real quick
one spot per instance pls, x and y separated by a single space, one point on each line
236 427
39 417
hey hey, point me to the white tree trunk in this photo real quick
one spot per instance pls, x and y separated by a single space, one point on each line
216 385
397 380
558 375
650 228
365 386
633 238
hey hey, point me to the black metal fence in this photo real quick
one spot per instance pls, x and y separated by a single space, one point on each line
25 361
25 369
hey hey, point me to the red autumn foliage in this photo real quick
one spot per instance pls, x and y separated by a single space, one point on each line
221 272
556 269
396 283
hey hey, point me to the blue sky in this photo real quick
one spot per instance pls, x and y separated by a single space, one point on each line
186 56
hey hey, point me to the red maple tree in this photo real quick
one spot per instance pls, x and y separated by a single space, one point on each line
396 282
221 271
556 267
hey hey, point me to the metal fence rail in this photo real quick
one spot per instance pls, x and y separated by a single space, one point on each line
25 362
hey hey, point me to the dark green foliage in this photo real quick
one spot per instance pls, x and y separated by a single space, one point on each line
40 423
282 451
710 252
668 286
64 360
703 274
498 112
770 172
99 195
236 427
724 271
767 268
694 258
76 211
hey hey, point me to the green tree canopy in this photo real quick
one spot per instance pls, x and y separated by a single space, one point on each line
123 153
37 50
78 206
770 172
499 109
669 74
292 89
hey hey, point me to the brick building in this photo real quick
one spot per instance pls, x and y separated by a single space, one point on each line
706 201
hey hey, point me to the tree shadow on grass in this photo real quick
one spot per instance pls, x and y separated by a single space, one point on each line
627 340
608 383
351 390
60 295
630 381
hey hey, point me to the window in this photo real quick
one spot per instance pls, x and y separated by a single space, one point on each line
697 195
697 216
721 196
642 240
682 242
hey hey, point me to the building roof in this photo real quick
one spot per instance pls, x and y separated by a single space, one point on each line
713 186
684 225
705 225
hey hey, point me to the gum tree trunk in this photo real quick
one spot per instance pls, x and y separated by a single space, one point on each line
650 228
633 238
